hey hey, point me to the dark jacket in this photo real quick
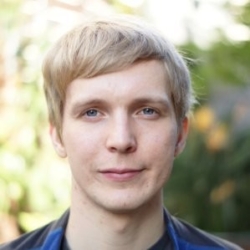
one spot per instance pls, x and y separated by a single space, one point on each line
182 235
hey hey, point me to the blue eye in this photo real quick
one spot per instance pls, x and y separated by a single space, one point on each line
148 111
92 112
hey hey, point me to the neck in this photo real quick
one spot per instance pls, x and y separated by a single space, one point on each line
92 228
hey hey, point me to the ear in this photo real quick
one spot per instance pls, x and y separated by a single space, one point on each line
57 142
182 136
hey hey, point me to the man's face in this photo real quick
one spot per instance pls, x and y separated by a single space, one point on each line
120 135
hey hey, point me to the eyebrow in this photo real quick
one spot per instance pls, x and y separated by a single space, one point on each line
152 99
77 105
82 103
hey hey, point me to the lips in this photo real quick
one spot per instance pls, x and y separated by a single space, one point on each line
121 174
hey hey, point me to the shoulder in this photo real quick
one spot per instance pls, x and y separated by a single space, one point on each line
37 239
29 240
188 235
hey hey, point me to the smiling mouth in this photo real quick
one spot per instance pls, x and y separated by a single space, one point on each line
121 175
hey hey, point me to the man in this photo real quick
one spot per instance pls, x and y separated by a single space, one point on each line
118 96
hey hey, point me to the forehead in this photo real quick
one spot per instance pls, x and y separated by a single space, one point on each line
145 78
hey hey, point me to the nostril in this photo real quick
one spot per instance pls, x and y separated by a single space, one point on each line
124 146
130 149
112 149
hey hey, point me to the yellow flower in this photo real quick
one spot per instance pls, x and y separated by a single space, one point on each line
217 137
223 192
203 119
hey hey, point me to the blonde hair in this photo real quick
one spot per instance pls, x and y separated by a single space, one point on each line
107 45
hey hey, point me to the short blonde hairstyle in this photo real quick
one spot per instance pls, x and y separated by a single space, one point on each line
107 45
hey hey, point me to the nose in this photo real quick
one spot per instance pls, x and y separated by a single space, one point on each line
121 136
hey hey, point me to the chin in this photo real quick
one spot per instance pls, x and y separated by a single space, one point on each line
125 206
123 209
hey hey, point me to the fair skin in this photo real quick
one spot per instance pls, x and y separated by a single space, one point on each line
120 135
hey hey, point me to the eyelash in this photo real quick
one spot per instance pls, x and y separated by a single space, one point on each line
146 111
152 111
91 110
91 113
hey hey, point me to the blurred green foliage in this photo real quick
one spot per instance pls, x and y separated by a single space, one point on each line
210 182
32 192
209 186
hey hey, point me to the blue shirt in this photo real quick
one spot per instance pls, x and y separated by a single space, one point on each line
178 235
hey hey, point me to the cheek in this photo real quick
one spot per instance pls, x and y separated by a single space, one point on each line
81 149
163 144
160 152
81 139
